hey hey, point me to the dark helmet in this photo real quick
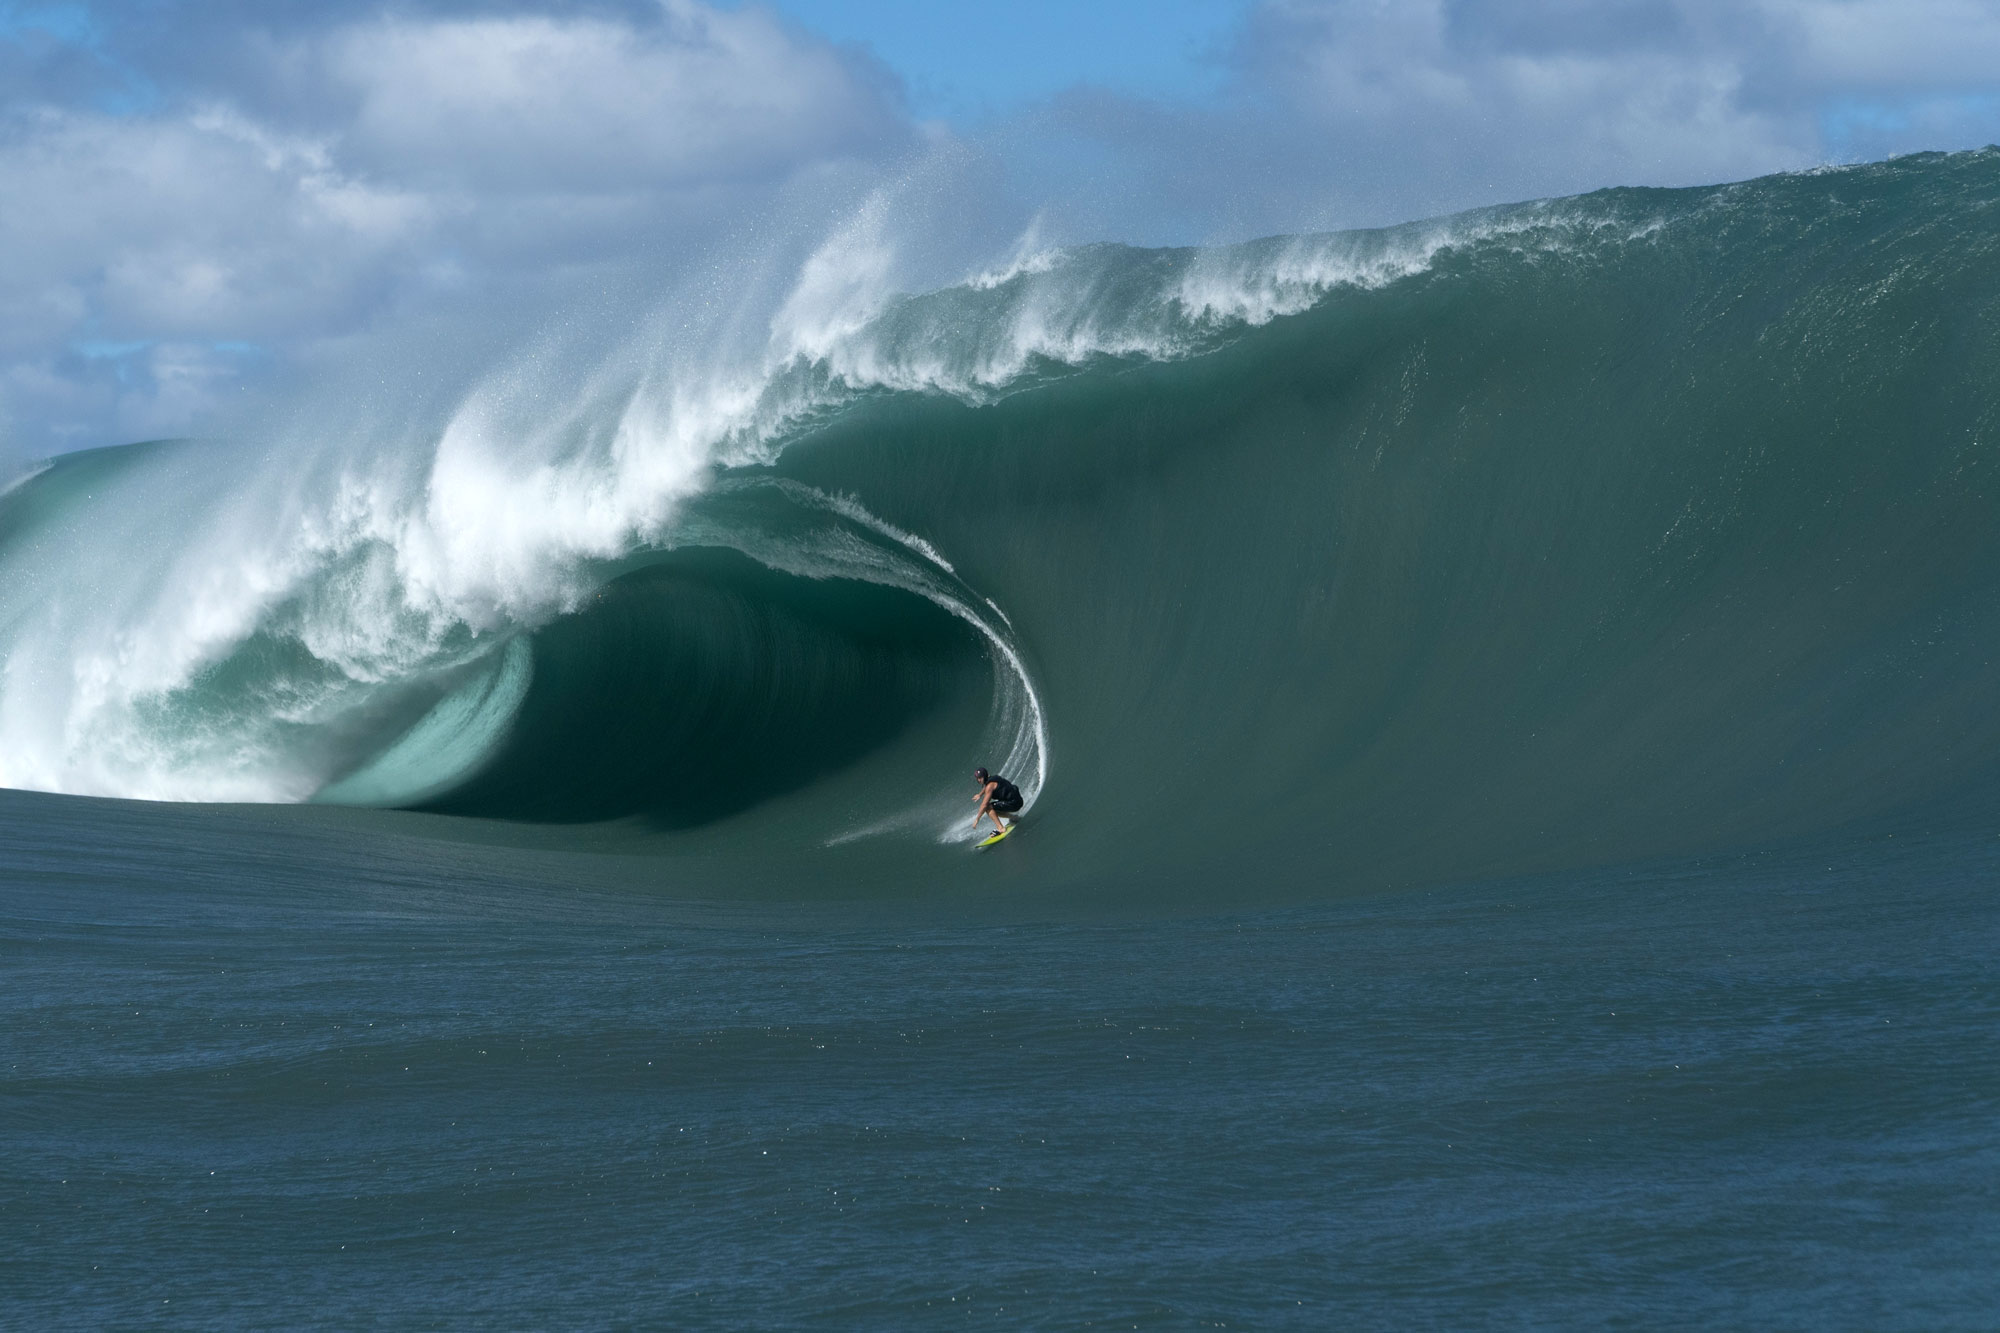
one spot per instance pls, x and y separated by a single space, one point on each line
979 774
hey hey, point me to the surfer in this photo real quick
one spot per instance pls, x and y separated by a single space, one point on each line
997 797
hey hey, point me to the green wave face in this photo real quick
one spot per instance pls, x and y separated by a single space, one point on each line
1644 523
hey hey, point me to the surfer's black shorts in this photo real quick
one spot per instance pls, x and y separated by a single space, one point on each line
1012 807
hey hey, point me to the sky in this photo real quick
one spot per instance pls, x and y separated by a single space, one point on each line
208 203
969 62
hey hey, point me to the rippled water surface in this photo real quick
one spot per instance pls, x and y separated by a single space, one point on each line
269 1074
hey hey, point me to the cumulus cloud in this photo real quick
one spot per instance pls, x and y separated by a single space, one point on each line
1893 47
157 252
137 257
1359 112
1469 101
532 103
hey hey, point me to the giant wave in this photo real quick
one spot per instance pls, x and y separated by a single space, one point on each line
1643 523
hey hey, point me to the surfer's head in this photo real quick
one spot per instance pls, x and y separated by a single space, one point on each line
979 775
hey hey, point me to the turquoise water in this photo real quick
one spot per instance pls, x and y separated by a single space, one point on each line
1505 706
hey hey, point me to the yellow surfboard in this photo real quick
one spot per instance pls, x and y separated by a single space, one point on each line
995 837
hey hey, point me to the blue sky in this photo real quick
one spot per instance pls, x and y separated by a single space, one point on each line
204 203
967 61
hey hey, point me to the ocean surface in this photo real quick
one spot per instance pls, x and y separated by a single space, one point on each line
1507 712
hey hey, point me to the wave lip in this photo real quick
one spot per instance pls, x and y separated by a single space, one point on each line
787 636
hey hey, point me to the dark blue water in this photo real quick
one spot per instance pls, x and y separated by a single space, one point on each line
262 1072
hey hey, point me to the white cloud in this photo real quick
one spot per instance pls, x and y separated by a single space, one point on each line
131 246
1546 112
127 227
1543 119
536 103
149 263
1859 46
1361 112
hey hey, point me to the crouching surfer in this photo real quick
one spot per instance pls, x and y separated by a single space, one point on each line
997 797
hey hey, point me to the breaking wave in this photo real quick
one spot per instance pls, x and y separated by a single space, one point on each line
1639 523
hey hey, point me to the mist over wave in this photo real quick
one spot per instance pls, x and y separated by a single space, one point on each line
1636 523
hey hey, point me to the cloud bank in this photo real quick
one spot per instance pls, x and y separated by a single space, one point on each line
201 204
306 186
